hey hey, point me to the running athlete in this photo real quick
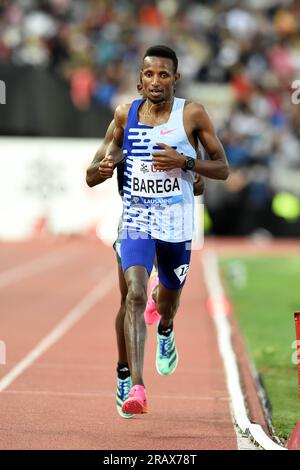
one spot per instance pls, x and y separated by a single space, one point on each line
157 137
94 177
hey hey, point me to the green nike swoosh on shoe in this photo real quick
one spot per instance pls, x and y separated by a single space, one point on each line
166 354
123 389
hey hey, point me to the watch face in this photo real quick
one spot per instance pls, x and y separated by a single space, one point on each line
190 163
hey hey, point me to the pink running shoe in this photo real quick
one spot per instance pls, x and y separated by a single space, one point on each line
151 314
136 402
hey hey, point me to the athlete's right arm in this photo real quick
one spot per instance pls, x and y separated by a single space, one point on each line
120 120
93 176
113 150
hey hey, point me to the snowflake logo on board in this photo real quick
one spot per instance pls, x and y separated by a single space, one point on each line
144 168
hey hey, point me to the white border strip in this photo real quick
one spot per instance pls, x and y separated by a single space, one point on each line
84 306
216 294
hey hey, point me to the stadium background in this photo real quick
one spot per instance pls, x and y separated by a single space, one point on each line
67 64
78 60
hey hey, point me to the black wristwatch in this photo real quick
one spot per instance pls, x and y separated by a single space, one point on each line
189 163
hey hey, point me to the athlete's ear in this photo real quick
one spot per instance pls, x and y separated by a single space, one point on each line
177 77
139 87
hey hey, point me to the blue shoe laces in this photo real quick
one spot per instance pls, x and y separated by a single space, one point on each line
164 347
124 387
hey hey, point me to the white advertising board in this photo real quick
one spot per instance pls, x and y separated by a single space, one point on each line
44 179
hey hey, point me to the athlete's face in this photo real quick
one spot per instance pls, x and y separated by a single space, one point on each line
158 79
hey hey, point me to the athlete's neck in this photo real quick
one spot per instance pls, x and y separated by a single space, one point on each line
154 109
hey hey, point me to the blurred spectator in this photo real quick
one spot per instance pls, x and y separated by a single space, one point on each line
82 86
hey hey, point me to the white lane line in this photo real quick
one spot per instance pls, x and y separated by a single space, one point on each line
50 260
216 294
81 309
109 395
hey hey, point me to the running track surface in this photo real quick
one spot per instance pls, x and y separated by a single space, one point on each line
65 399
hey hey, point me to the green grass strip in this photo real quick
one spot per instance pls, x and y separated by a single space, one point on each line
265 293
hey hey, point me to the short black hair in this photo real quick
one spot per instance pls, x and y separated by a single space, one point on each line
162 51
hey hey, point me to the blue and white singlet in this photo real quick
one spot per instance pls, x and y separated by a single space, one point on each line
159 203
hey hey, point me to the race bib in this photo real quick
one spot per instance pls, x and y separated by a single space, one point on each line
153 187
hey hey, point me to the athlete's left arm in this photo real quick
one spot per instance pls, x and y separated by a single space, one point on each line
217 167
198 122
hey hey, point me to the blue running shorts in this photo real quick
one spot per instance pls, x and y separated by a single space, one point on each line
173 259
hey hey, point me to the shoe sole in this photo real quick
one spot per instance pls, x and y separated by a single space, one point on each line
168 373
123 415
134 407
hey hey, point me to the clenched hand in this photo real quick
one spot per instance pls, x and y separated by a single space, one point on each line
106 167
167 159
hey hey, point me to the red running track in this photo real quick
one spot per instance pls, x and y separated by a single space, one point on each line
65 399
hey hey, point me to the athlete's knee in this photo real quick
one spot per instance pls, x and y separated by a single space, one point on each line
136 297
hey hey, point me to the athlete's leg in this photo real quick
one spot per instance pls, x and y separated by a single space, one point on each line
137 255
134 325
173 263
167 304
166 351
124 382
119 322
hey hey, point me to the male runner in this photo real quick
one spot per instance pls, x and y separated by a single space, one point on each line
93 177
157 138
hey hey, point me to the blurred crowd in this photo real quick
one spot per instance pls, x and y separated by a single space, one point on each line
252 46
